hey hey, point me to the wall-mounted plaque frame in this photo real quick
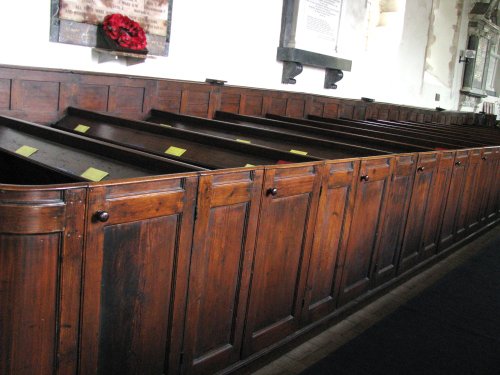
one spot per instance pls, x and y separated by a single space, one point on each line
309 33
75 21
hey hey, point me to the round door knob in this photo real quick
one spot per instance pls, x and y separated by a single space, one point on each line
458 163
420 169
484 158
365 177
101 216
272 191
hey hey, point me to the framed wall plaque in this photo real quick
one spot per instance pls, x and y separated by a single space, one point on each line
309 36
75 21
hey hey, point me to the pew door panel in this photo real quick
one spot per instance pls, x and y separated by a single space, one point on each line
135 274
336 204
437 199
494 195
453 202
398 202
41 247
488 164
411 251
285 230
368 217
469 202
221 264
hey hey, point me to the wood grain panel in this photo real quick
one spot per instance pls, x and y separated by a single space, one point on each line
391 235
278 106
295 107
469 200
220 269
195 103
169 98
92 97
411 252
251 105
133 306
453 201
126 99
359 112
5 93
367 219
346 110
35 96
28 297
284 242
230 102
336 204
438 197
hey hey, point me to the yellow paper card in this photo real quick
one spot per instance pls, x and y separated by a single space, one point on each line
243 141
94 174
298 152
26 151
249 165
167 125
81 128
176 151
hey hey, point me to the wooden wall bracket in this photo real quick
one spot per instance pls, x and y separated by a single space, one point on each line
332 76
291 69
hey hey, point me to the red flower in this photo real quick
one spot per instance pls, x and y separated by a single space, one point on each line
124 31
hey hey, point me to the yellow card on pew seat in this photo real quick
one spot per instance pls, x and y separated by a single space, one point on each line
81 128
243 141
26 151
298 152
166 125
176 151
249 165
94 174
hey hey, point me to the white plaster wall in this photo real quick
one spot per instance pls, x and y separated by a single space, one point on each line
236 41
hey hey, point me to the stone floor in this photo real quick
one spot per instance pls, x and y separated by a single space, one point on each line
303 356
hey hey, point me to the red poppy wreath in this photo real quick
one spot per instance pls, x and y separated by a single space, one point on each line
120 33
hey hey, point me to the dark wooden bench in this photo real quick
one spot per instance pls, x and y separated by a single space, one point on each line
470 133
327 134
265 137
183 145
367 128
77 157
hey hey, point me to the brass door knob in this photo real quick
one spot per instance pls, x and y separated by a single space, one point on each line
365 177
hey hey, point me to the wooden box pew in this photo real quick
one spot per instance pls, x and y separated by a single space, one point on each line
430 139
396 127
187 146
454 131
269 138
327 134
80 158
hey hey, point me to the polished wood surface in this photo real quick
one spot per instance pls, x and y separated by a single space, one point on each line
197 271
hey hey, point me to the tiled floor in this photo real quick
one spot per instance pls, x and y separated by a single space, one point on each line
303 356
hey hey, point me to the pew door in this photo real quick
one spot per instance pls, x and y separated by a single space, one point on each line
392 231
336 204
285 231
411 251
367 219
494 194
453 201
41 247
469 201
488 165
437 199
135 274
221 265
